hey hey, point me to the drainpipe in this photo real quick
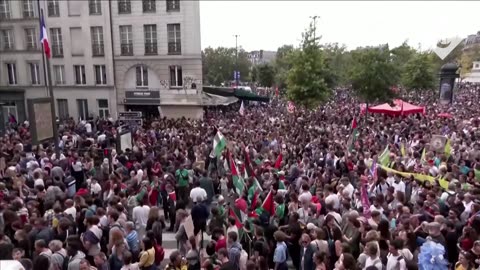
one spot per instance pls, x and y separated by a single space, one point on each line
113 57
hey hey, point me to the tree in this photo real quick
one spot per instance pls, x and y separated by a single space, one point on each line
282 65
266 75
466 60
400 56
373 74
418 73
219 64
310 80
339 60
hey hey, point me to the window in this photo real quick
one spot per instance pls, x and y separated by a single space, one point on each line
79 74
126 42
97 41
62 110
7 39
82 105
103 108
10 108
75 8
100 74
142 76
12 73
173 5
59 73
477 65
150 31
31 38
176 79
174 39
4 9
53 8
124 7
34 73
148 5
28 11
57 44
95 7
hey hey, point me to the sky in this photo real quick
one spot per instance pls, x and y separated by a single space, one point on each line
267 25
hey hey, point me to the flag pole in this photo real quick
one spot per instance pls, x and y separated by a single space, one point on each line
43 50
48 77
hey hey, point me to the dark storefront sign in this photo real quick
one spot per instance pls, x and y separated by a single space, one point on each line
141 101
142 94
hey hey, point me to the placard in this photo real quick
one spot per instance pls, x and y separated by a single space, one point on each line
40 116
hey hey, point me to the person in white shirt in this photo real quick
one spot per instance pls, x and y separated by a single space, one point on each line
331 198
197 193
70 210
140 218
305 195
94 186
88 127
348 187
395 261
398 185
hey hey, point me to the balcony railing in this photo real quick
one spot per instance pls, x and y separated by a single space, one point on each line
174 48
173 5
28 14
126 49
31 46
98 50
57 51
151 48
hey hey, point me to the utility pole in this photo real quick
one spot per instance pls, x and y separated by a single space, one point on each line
236 61
48 77
314 18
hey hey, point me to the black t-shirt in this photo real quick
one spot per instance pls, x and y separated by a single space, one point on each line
296 232
228 266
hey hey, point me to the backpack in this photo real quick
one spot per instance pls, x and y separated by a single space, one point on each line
66 261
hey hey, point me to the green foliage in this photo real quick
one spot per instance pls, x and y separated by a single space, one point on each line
310 79
282 64
400 56
219 64
266 75
418 73
373 74
339 60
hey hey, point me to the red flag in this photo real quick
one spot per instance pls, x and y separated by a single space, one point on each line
278 162
241 205
354 123
268 204
248 164
237 220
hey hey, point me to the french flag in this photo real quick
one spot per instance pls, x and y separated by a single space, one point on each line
44 38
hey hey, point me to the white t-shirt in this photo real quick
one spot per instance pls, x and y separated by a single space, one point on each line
88 127
350 189
373 262
197 194
71 211
140 216
400 186
333 199
396 263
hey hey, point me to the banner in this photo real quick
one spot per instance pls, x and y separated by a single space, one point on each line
422 177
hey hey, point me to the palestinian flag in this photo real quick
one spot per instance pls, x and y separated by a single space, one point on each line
219 144
353 136
269 204
238 182
238 222
249 172
254 201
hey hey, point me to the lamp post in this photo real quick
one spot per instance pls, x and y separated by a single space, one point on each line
448 74
236 73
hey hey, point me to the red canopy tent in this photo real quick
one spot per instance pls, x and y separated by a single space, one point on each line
401 108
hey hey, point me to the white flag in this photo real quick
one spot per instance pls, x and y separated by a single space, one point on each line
242 110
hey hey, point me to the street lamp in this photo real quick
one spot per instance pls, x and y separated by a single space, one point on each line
236 73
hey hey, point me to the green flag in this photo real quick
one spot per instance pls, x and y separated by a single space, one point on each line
219 143
384 158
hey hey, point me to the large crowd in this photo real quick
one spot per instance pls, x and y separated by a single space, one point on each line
285 190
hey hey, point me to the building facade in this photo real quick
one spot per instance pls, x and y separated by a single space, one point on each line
104 55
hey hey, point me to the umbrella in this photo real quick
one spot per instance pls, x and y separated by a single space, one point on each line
445 115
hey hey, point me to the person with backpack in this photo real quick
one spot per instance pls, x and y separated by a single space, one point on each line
59 255
395 260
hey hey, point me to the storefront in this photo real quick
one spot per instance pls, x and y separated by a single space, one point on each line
12 107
